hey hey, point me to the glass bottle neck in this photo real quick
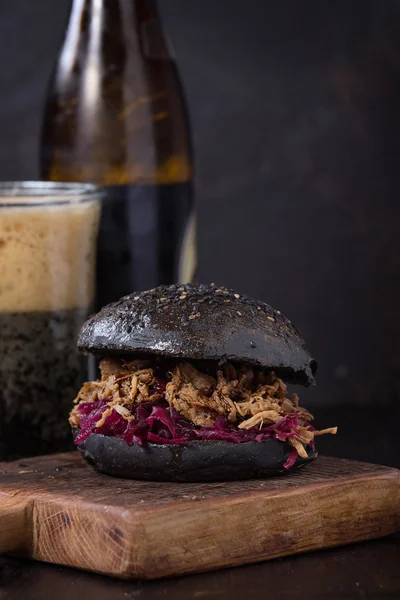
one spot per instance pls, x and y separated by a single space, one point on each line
95 25
112 10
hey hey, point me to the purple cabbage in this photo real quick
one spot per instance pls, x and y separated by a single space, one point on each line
291 459
160 424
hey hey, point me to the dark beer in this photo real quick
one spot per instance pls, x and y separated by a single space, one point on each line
116 115
40 371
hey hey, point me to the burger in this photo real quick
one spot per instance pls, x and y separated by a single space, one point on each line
193 387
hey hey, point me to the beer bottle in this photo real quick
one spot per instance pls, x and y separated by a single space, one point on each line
115 115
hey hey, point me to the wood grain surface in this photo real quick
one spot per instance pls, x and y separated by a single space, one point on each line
57 509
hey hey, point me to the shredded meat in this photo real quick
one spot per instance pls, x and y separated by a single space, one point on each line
238 395
182 394
200 381
247 397
187 392
119 368
122 384
265 416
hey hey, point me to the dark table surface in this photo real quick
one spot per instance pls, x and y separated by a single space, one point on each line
366 570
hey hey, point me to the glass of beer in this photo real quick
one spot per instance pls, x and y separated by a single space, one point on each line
48 237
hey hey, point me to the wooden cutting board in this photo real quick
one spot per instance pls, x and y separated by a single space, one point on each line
57 509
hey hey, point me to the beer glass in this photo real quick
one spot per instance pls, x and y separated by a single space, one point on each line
48 234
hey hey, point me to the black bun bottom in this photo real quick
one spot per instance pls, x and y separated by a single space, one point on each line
196 461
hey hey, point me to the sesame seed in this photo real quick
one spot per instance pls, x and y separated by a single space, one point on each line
163 299
219 291
197 315
226 301
239 313
182 297
237 296
271 319
191 317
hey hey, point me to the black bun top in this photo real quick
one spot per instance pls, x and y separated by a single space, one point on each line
200 322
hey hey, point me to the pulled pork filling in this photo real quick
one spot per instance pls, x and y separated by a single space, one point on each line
139 401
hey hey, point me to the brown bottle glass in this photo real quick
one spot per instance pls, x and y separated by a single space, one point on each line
116 115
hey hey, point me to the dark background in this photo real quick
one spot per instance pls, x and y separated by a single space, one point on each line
295 109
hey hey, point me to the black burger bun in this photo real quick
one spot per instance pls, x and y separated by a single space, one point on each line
195 461
200 322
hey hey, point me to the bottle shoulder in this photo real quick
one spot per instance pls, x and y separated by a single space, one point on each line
116 111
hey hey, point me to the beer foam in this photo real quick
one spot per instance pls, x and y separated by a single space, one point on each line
47 253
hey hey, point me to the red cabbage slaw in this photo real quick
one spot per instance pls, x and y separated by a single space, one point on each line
161 424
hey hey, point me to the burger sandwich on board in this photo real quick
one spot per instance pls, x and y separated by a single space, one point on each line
193 387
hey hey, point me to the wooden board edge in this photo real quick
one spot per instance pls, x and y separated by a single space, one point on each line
207 538
390 473
188 538
15 523
53 531
83 535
